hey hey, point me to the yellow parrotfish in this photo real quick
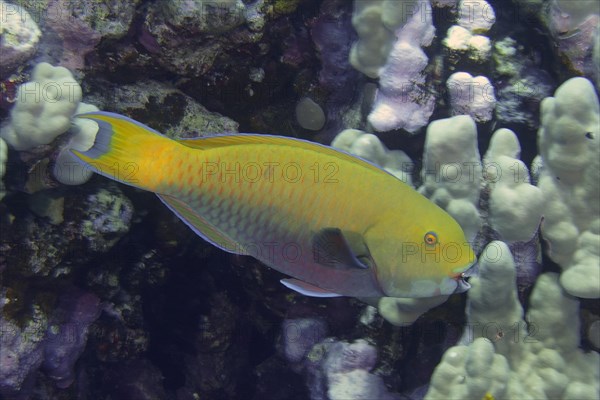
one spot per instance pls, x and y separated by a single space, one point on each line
337 224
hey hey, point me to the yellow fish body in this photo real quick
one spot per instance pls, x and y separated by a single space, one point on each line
335 223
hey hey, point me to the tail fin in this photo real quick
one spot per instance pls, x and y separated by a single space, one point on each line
122 148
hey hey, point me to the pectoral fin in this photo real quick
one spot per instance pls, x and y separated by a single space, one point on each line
336 249
307 289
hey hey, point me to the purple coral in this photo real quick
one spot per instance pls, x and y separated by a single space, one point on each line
333 35
527 262
21 353
403 100
55 344
300 335
347 367
346 357
67 334
335 370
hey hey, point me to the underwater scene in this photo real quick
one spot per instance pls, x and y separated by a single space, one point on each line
299 199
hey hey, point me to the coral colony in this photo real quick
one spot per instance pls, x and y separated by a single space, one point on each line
489 109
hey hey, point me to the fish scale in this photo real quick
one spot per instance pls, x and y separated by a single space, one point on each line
333 222
256 219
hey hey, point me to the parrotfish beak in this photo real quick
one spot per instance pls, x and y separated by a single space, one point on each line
461 278
463 285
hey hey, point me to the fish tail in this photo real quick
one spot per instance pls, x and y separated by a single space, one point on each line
123 149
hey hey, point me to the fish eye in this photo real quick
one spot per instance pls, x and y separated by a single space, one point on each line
430 238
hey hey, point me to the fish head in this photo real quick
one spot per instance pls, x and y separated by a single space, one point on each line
429 258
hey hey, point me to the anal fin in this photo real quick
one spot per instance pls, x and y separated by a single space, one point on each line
307 289
200 226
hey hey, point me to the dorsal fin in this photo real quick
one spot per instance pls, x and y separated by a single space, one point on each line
211 142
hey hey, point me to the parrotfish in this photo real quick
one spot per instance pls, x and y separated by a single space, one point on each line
335 223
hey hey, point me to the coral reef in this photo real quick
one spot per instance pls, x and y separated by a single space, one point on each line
299 335
515 206
188 40
93 222
403 101
467 49
3 157
466 38
162 106
476 16
20 37
67 333
520 85
108 218
43 108
452 170
573 27
336 370
42 112
22 352
53 343
368 146
77 28
460 40
333 36
569 141
471 95
105 294
369 53
506 357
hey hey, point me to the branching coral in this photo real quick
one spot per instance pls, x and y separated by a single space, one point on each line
569 142
369 147
43 111
452 170
403 100
43 108
391 34
508 356
515 206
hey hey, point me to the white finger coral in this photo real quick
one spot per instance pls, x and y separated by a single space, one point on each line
43 108
515 206
452 170
569 142
403 100
43 111
391 34
369 147
471 95
500 359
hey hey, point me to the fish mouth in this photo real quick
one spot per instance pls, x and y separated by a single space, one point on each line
466 272
462 285
473 270
462 278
